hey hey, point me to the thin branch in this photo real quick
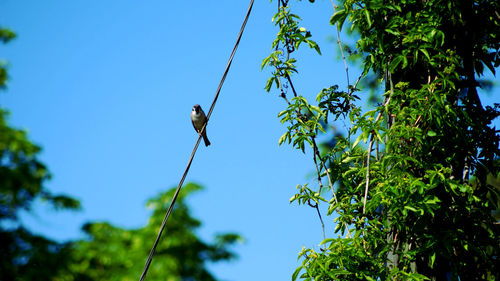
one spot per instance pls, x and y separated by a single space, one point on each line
341 49
318 169
283 95
329 179
356 84
386 102
324 167
320 218
367 173
291 84
466 171
322 223
330 183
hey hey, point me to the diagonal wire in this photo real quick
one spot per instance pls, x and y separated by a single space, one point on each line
230 61
164 223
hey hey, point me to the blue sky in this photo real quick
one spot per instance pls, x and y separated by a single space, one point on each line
106 88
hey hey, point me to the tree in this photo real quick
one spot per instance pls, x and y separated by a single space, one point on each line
417 201
113 253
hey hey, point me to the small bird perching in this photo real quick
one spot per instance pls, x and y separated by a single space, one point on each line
202 133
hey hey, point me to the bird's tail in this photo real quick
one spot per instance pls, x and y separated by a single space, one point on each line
205 139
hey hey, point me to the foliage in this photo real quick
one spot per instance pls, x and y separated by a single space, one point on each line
22 175
418 201
5 36
113 253
27 256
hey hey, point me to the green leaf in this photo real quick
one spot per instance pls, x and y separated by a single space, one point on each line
296 273
282 112
357 140
411 209
393 32
284 137
368 18
269 84
338 18
426 53
394 63
328 240
379 136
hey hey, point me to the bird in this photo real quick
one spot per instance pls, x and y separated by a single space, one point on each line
198 118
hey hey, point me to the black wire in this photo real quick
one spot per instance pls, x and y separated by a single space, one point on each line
230 61
170 208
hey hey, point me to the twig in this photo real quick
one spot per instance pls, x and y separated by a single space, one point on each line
320 217
342 50
386 102
367 172
324 167
356 84
329 179
318 169
283 95
291 84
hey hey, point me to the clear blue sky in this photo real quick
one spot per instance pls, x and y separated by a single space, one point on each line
106 88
